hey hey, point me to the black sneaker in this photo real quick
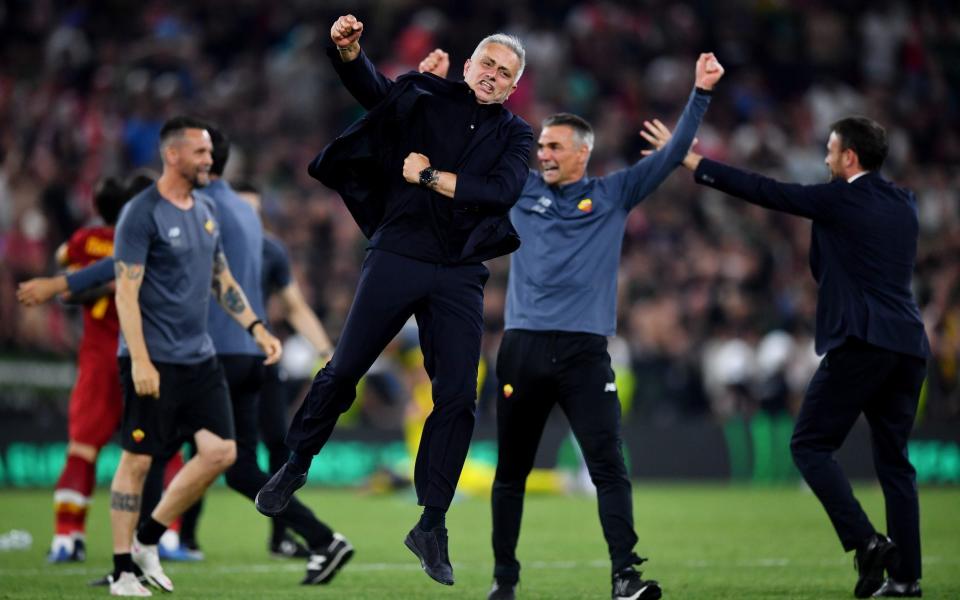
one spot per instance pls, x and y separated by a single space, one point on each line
878 554
274 497
895 589
431 548
502 590
325 563
627 585
79 553
287 547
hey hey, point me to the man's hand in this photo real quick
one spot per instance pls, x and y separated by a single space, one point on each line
345 33
40 289
146 378
658 135
267 342
412 165
709 71
437 63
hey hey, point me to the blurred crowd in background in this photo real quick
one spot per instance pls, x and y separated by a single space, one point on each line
716 301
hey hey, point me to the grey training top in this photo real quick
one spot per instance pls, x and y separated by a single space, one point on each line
176 248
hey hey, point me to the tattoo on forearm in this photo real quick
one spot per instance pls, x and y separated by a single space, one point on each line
219 263
125 502
233 300
118 269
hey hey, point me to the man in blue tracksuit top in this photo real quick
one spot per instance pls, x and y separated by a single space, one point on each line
561 306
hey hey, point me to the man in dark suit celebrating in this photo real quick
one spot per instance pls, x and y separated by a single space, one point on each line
429 174
862 255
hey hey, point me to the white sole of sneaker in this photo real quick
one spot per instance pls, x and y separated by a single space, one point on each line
326 574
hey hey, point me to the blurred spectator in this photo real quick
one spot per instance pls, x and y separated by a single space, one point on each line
704 281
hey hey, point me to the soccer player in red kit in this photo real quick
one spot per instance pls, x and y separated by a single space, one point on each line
95 404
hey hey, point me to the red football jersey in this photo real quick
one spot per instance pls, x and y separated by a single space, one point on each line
101 326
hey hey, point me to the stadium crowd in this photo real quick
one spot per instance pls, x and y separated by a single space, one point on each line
716 300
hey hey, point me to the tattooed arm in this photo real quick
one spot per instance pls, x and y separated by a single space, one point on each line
231 297
129 277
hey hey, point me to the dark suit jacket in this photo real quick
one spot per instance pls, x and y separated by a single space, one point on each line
862 252
361 162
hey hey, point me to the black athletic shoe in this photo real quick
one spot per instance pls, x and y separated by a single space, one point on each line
325 563
431 548
502 590
627 585
895 589
274 497
878 554
287 547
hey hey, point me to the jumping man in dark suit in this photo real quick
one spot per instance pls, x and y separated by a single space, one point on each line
862 255
429 174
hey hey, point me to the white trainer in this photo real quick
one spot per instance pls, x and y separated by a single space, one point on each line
128 585
148 559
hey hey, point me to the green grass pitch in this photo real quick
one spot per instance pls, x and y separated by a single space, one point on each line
703 541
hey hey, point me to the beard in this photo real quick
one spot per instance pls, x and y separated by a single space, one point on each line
196 177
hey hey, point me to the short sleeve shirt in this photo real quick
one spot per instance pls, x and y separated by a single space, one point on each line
177 249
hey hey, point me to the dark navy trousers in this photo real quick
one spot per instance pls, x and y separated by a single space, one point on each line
884 386
447 301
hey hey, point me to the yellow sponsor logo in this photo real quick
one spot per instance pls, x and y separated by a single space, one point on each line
138 435
585 205
95 246
507 391
209 226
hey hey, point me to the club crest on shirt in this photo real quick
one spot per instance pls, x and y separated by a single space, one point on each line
138 435
507 390
585 205
210 226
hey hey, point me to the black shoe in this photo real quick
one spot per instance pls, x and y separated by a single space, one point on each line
325 563
274 497
287 547
79 551
895 589
878 554
502 590
431 548
627 585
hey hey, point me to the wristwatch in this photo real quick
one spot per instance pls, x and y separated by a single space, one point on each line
429 177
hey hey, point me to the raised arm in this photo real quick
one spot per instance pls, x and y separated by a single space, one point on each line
355 70
231 297
640 180
810 201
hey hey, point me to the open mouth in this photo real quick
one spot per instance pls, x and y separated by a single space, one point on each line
486 86
549 169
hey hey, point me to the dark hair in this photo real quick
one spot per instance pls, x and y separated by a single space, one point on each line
109 197
245 186
221 150
175 127
580 126
139 181
866 137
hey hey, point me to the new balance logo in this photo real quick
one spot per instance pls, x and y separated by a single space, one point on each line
610 387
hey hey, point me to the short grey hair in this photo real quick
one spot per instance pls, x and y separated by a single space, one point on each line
510 41
582 131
